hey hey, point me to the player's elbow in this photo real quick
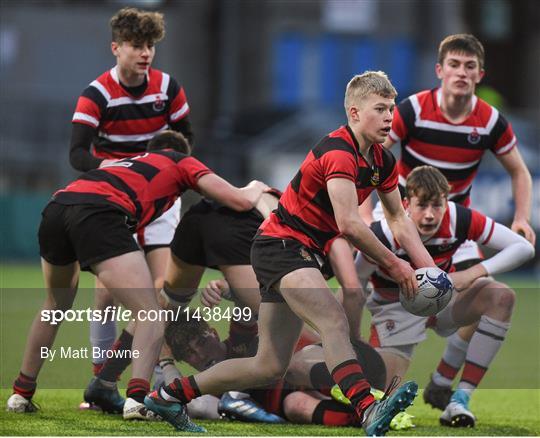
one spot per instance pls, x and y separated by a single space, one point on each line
527 250
347 227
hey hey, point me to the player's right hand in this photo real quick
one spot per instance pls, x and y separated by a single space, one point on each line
403 274
212 293
254 190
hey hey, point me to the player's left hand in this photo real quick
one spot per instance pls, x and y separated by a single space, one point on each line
523 228
212 293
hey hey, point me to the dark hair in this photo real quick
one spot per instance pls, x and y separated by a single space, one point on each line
427 183
462 43
169 140
180 332
137 26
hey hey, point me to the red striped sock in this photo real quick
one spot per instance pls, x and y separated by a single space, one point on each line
25 386
472 373
96 368
350 378
137 389
184 389
446 370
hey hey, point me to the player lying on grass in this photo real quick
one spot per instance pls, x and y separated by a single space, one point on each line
89 225
320 203
443 226
301 397
214 236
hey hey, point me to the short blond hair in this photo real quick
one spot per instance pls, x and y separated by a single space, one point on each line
369 82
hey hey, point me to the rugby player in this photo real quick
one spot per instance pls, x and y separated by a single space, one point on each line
89 225
320 203
450 128
115 117
443 226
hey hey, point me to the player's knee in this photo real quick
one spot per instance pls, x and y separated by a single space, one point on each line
504 297
270 372
297 409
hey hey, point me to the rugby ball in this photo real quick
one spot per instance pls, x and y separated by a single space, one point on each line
434 292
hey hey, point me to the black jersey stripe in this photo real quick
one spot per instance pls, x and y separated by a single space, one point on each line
100 175
376 228
146 170
456 140
463 221
95 96
296 181
318 236
133 147
173 89
134 111
172 155
450 174
322 200
328 144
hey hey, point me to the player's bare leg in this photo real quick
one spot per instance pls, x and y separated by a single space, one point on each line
181 282
157 260
61 284
314 303
128 279
279 329
243 282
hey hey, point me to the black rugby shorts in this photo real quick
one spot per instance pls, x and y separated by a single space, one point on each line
87 233
272 258
214 236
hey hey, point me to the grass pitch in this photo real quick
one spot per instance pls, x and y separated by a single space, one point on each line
507 404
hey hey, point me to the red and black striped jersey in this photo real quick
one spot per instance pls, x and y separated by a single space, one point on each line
144 186
125 123
459 224
305 212
428 138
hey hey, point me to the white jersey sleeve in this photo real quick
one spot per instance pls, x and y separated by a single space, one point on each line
514 250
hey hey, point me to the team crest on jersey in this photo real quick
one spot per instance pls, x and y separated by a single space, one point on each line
390 325
305 255
474 137
375 178
159 105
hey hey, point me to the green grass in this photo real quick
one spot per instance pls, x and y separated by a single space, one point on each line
508 404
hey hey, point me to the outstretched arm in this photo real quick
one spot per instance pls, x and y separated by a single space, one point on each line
240 199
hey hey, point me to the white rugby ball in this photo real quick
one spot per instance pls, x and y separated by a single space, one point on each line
434 292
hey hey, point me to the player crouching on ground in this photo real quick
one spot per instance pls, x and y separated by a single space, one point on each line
89 225
443 227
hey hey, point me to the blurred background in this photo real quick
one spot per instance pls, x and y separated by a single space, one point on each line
264 79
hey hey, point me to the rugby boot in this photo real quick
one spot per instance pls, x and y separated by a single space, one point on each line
378 415
17 403
437 396
457 413
105 395
133 410
238 406
172 412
